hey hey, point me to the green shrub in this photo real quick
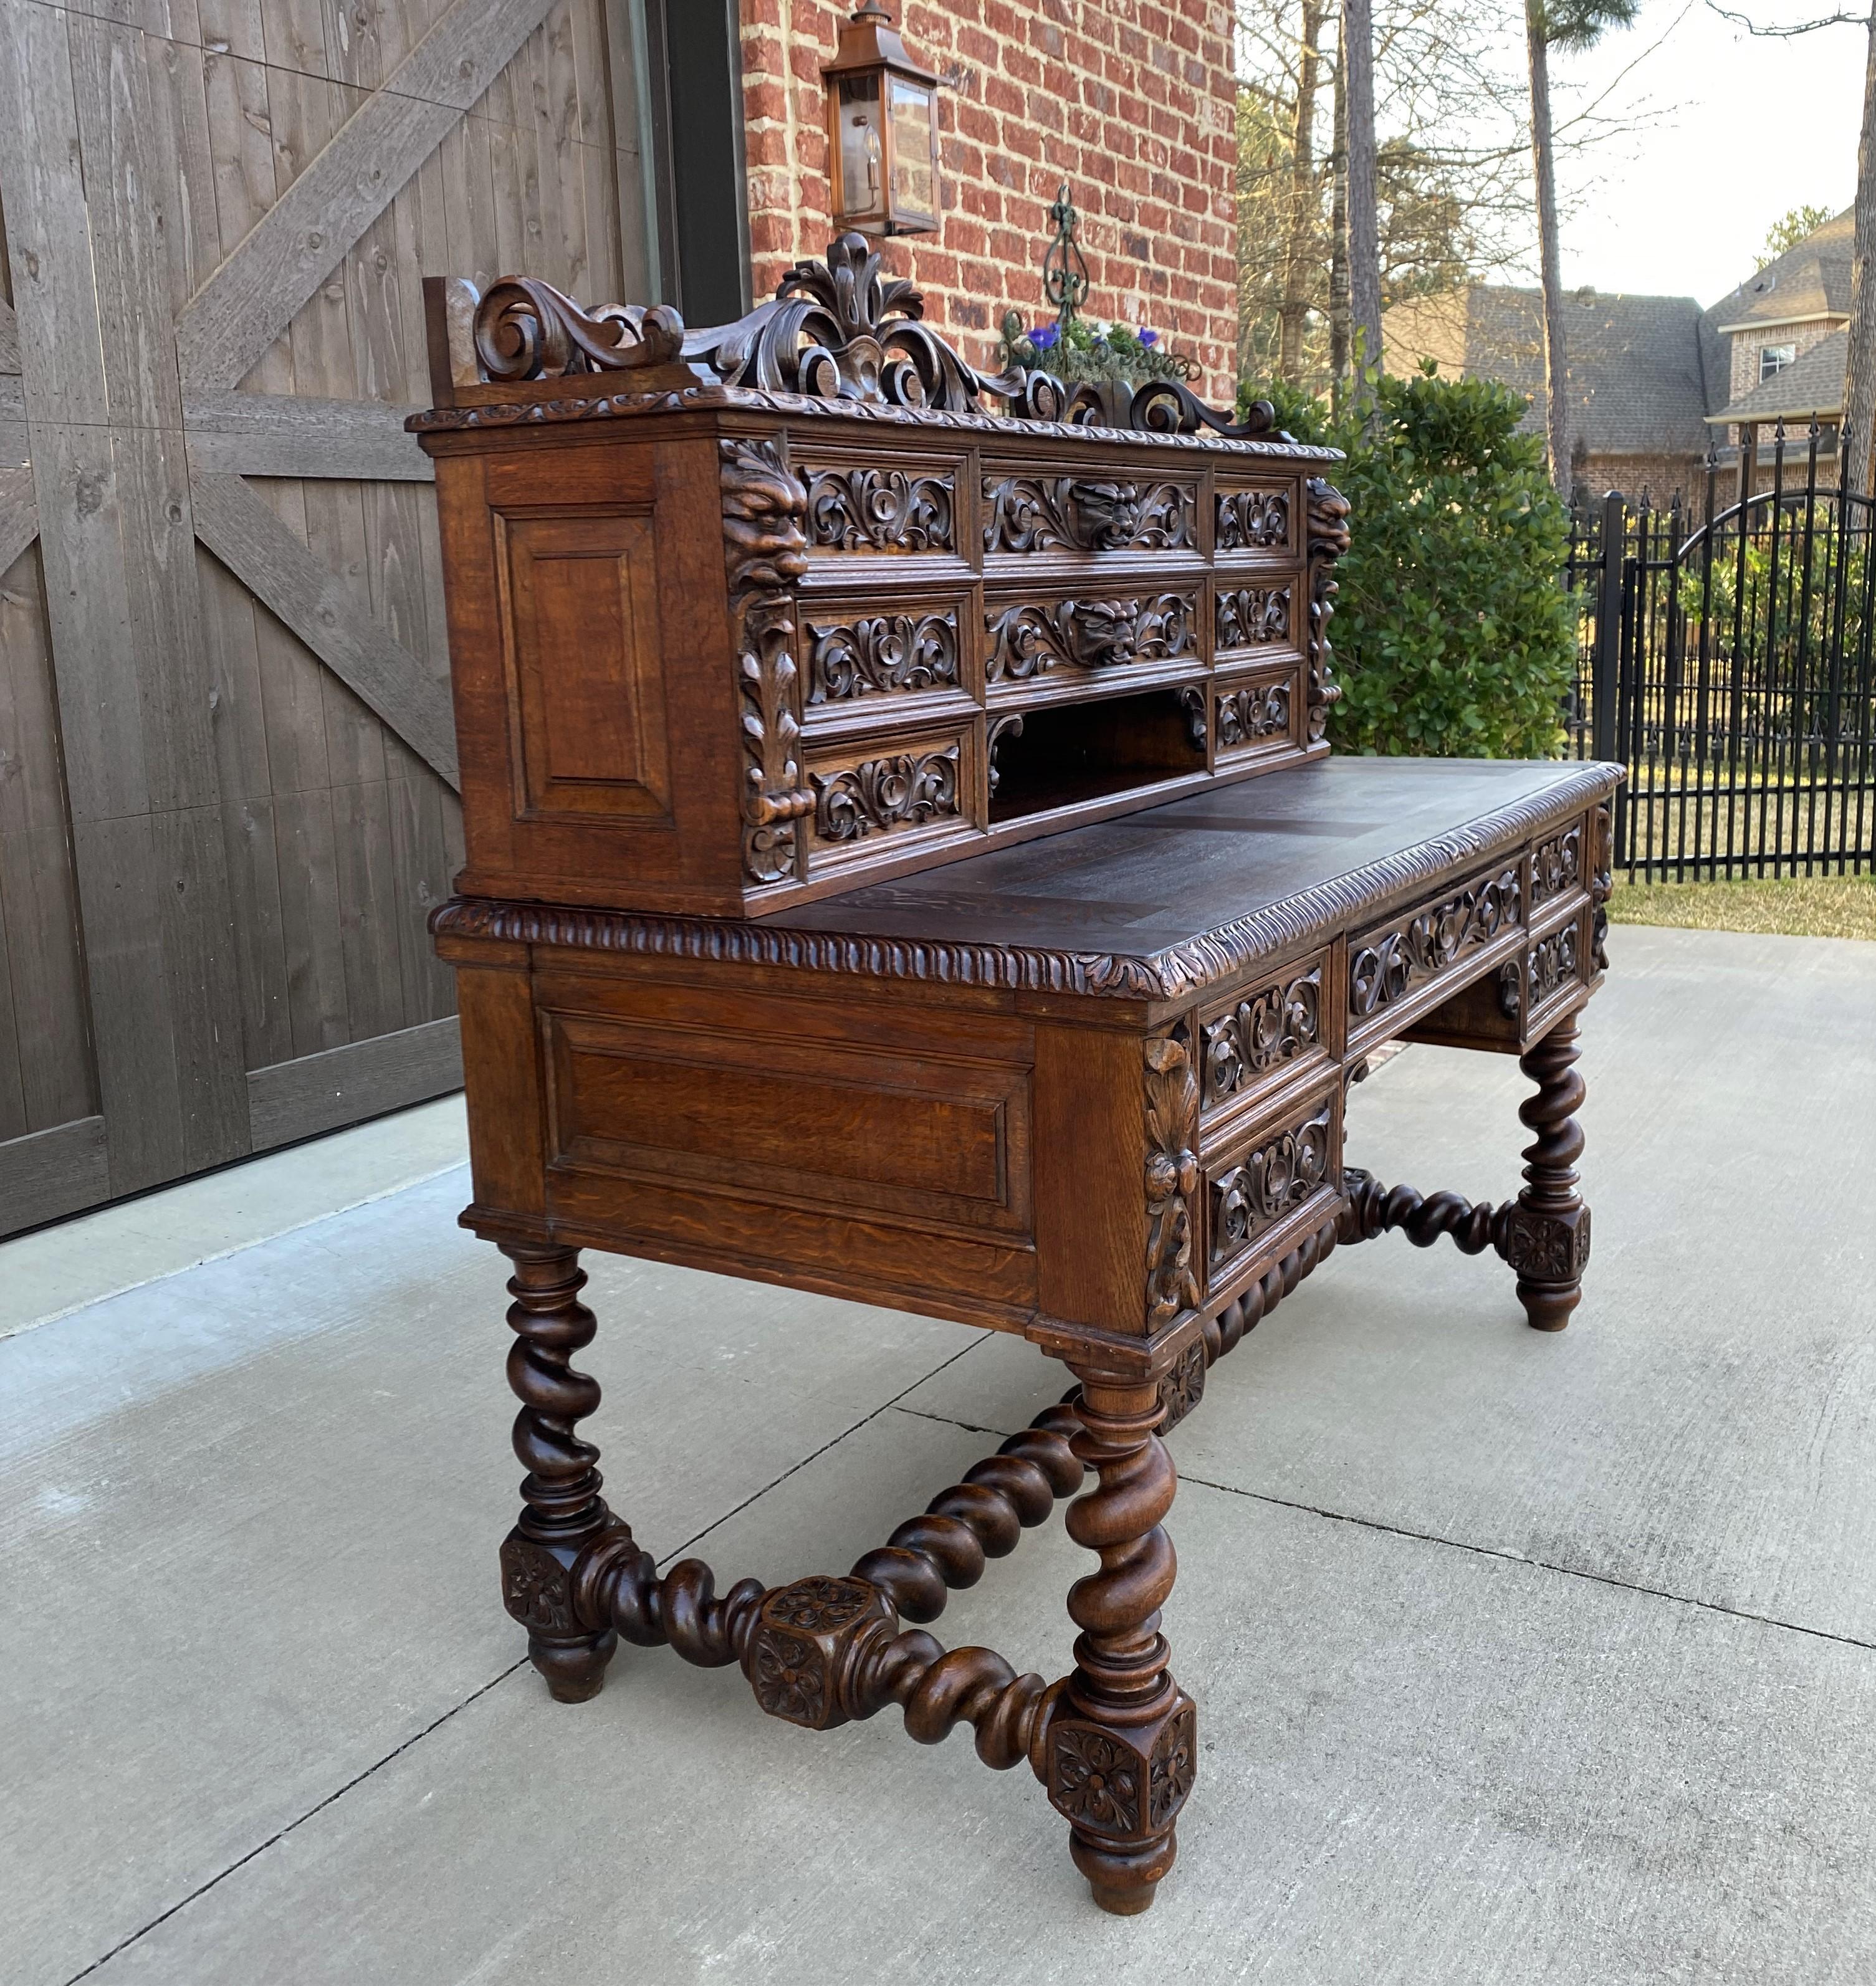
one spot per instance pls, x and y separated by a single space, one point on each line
1453 635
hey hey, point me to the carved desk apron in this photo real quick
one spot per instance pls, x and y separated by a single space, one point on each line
903 862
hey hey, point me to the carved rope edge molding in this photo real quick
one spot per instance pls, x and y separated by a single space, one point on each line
1204 961
625 406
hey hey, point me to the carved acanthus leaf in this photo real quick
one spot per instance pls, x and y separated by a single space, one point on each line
904 790
1172 1178
766 553
1257 712
1382 970
1253 616
1325 522
1271 1182
1252 520
1271 1027
885 651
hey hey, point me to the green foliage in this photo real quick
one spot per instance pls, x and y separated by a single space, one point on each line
1796 225
1453 635
1085 349
1428 218
1576 24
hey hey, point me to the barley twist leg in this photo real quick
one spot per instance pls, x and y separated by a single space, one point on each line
562 1511
1120 1747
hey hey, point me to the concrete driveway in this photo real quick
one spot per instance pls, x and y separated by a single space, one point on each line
1517 1658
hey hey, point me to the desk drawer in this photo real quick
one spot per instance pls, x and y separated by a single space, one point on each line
1266 1035
1283 1177
1397 969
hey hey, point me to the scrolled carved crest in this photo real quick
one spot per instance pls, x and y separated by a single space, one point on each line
840 330
524 329
1171 1179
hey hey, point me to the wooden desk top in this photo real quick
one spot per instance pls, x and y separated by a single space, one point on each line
1193 890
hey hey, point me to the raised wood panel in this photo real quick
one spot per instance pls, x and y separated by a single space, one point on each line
936 1137
585 662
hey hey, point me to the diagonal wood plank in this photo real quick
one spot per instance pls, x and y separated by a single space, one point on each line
256 293
259 550
19 514
281 434
9 338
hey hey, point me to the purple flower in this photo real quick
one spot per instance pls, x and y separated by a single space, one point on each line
1148 336
1044 336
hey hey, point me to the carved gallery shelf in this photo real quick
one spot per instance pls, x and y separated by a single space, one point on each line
903 863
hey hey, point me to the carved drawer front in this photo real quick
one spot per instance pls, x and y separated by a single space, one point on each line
859 657
1395 968
1262 1038
1089 512
1252 617
1283 1177
893 788
1556 964
1094 633
855 508
1558 867
1252 715
1257 517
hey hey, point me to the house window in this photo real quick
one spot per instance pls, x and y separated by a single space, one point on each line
1774 358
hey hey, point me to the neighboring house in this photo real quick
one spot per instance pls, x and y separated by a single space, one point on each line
1655 382
1642 372
1789 336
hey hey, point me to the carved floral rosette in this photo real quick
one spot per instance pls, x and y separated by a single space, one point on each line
1326 521
766 550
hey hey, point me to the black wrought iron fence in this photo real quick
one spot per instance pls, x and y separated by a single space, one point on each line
1725 658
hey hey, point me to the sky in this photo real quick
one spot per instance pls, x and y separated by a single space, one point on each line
1733 131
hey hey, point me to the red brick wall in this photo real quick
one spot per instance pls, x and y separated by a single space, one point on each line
1131 100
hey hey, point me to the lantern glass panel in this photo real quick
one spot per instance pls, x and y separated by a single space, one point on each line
863 148
915 179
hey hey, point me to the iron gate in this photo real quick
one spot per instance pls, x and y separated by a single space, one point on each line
1726 661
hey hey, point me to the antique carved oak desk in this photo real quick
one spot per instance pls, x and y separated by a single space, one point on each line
903 861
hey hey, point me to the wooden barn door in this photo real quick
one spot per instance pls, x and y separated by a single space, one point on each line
226 760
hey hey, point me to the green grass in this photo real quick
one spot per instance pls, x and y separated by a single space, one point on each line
1796 906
